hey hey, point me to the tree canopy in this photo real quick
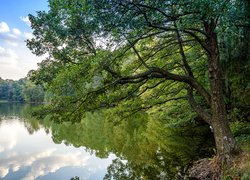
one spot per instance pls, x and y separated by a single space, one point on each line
139 55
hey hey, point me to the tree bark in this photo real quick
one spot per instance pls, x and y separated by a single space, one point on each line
225 142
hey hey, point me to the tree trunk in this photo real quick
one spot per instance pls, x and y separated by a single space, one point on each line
225 142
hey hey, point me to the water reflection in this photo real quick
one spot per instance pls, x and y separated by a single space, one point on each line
28 152
138 148
146 148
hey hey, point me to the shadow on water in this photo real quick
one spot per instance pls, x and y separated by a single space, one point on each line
145 148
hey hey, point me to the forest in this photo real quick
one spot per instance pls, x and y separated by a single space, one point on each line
21 90
166 64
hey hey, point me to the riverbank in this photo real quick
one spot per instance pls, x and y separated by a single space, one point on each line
206 169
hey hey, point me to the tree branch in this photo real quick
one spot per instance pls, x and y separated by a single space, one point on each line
172 18
189 80
150 24
203 45
183 56
203 114
152 105
139 57
155 72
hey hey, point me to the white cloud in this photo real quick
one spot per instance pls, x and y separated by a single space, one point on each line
11 141
21 64
4 171
15 168
16 31
2 50
7 145
7 56
11 43
28 35
45 157
26 20
9 68
11 72
16 161
41 163
16 60
4 27
7 53
51 164
11 37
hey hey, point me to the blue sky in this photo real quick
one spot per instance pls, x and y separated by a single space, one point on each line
15 58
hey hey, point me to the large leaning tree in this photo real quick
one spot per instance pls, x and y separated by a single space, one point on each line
102 52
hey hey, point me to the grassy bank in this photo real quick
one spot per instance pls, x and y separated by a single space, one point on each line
240 169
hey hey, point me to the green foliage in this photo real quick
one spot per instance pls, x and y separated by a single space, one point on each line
123 59
75 178
33 93
11 90
241 131
96 52
235 55
22 90
239 128
119 170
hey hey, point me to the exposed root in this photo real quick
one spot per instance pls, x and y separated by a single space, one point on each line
204 169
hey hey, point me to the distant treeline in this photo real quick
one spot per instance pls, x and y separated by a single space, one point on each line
21 90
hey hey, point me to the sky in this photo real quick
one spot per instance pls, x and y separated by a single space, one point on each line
16 60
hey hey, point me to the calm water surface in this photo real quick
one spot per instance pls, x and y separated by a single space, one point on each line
144 147
28 152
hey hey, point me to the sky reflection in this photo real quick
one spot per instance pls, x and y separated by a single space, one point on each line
28 157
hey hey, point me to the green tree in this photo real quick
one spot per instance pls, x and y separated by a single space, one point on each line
11 90
3 89
32 92
138 54
21 90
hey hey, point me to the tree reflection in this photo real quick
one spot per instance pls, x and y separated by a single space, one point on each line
120 170
75 178
22 112
146 148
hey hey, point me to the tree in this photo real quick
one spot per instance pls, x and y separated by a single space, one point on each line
11 90
3 89
120 53
32 92
20 91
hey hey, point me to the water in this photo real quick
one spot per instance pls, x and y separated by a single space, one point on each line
27 151
140 147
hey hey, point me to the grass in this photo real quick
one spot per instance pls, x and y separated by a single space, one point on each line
240 169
